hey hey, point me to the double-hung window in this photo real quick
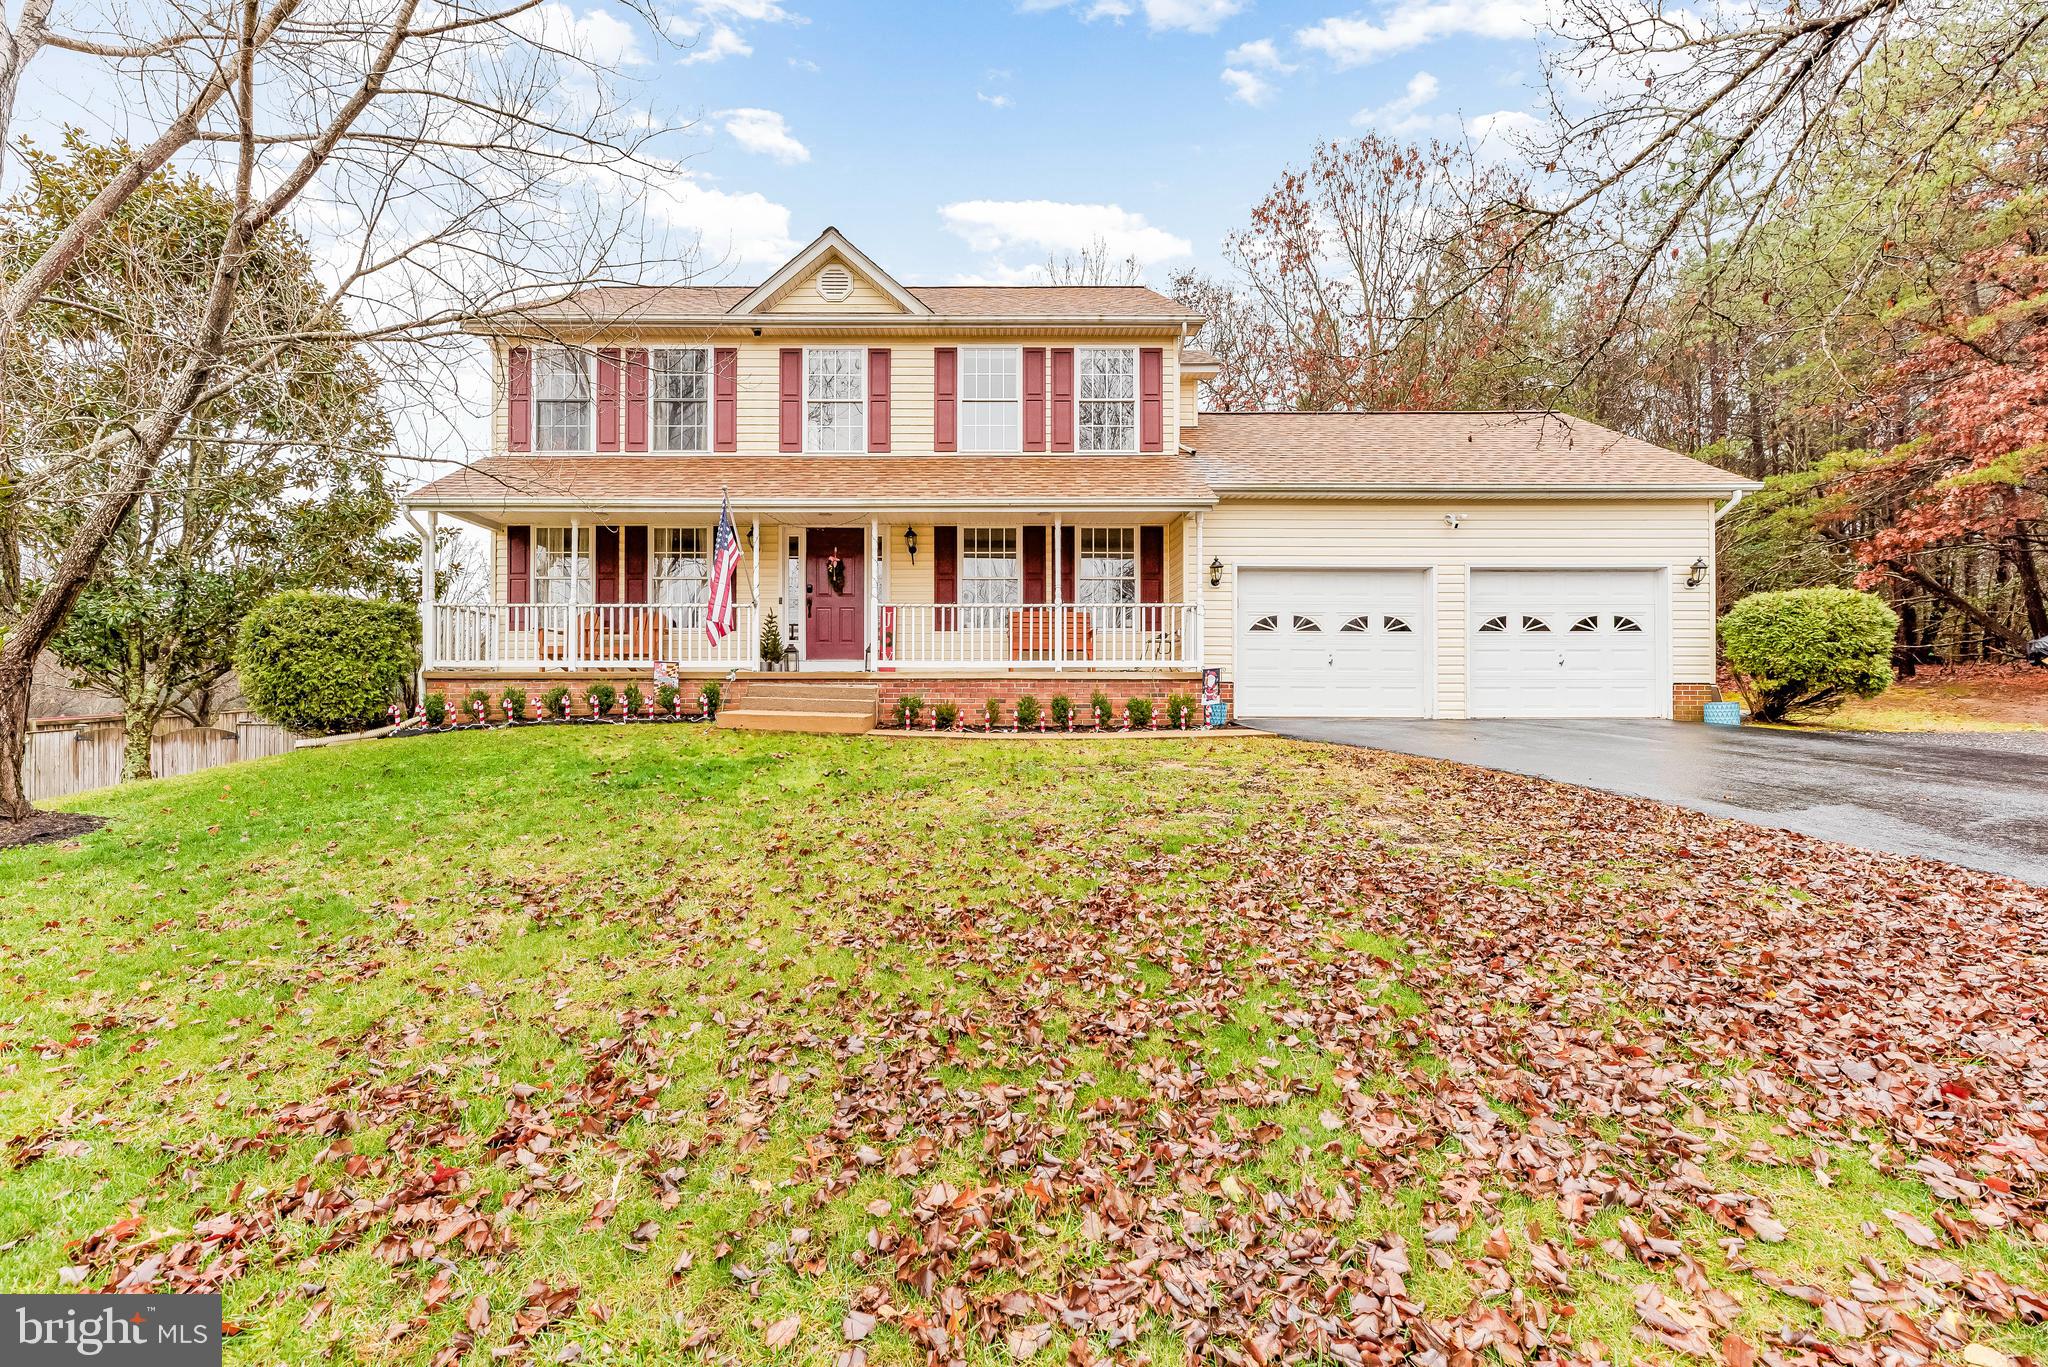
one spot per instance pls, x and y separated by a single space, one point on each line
679 398
991 575
560 569
563 406
1106 573
1106 388
680 570
991 406
835 399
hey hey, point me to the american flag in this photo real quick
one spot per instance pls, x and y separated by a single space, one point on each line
725 561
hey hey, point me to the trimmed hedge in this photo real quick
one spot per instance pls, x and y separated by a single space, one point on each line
1808 650
321 663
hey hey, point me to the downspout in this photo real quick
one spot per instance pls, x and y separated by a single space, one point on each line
1729 506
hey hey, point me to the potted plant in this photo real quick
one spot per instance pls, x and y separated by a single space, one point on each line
773 651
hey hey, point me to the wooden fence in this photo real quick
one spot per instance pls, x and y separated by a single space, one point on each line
76 755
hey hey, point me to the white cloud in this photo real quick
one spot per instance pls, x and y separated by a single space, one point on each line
1045 227
1354 40
1192 16
1260 53
1507 127
997 101
1247 87
1404 113
765 132
711 29
597 37
732 228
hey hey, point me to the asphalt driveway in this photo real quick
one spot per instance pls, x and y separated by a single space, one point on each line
1980 800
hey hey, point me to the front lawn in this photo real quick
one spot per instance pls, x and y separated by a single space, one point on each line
658 1044
1960 698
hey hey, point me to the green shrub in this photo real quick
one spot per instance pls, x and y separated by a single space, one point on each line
602 697
1062 709
1138 711
515 703
1180 711
665 700
476 703
1027 712
436 708
992 713
631 700
771 640
908 709
1103 708
714 694
323 662
946 714
1808 650
555 700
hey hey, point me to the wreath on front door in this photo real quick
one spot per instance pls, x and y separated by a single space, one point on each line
835 572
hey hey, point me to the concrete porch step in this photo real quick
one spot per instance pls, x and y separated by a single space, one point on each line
838 723
756 689
752 701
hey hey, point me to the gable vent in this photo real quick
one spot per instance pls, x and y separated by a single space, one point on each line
835 283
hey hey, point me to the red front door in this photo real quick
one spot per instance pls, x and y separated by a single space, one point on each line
834 598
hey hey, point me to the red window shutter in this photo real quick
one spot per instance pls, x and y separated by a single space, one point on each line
945 576
1034 398
1151 399
946 399
1067 584
1063 398
1034 564
608 398
1151 564
636 564
519 400
792 405
636 399
518 563
878 398
725 399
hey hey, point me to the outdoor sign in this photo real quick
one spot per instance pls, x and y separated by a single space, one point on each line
667 673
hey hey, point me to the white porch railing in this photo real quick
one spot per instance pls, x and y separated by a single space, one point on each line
557 635
1066 636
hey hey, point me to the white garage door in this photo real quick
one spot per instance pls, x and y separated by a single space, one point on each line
1333 643
1565 643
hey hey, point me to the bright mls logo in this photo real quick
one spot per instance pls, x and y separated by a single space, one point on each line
122 1331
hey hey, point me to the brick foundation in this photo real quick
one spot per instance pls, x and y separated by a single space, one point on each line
971 694
454 688
1689 700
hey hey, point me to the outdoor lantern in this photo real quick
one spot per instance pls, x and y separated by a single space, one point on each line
1216 572
910 543
1698 575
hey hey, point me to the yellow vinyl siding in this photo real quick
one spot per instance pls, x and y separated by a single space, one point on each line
1190 401
801 296
1496 534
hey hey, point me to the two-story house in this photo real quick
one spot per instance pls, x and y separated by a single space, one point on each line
962 490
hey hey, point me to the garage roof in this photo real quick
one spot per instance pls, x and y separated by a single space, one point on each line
1500 449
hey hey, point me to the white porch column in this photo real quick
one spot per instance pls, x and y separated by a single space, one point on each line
427 613
1059 607
870 656
1198 646
755 541
572 650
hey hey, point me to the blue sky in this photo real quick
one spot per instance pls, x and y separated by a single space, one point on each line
965 141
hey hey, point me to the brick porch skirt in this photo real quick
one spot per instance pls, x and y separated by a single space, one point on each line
1689 700
969 692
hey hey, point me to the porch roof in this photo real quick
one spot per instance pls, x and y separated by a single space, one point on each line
814 482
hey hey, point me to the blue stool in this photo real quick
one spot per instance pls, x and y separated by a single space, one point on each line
1722 714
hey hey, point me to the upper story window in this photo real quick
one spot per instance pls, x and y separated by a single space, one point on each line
680 566
1107 567
1107 391
679 398
563 410
991 409
561 565
835 399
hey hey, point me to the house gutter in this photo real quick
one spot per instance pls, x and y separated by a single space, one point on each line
1729 506
1330 491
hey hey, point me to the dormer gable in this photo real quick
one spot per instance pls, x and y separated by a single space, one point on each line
831 275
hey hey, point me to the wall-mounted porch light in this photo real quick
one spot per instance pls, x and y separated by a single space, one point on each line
1698 575
1216 572
910 543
